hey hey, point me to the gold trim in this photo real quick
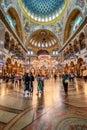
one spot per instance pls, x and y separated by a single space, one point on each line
21 6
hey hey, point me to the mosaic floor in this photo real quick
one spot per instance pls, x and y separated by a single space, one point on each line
50 111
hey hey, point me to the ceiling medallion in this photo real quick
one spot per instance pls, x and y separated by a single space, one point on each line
43 11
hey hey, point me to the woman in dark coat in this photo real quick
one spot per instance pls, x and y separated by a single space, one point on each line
65 83
31 82
26 83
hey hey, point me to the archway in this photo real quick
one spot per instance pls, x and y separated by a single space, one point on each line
80 62
42 52
82 41
12 44
15 67
8 66
7 40
15 17
72 67
68 27
8 61
76 47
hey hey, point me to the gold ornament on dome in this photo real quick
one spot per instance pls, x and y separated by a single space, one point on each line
43 39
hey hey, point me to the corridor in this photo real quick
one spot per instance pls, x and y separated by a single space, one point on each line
50 111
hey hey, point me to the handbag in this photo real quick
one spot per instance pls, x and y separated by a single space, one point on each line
66 81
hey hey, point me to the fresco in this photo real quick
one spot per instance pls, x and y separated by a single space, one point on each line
71 5
29 27
76 23
11 22
80 3
7 2
26 28
58 26
14 3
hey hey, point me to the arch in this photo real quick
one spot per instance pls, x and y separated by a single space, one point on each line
81 36
16 64
79 64
20 65
80 61
8 61
82 40
72 64
75 45
11 11
12 44
74 13
7 40
16 47
42 52
75 42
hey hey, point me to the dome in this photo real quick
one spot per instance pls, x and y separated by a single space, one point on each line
43 11
43 39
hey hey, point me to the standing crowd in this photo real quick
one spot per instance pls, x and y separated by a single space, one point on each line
28 84
28 80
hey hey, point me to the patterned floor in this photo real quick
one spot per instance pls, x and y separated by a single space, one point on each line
50 111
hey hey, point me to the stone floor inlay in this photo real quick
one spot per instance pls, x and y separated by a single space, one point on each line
51 111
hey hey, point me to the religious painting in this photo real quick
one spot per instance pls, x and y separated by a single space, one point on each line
76 23
7 2
80 3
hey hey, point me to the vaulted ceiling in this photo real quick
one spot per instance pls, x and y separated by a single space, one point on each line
43 38
43 11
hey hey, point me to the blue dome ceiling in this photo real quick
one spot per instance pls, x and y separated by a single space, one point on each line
43 10
42 7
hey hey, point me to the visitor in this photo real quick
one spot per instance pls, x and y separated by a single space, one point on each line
12 78
16 79
85 75
26 85
39 85
65 83
31 83
42 78
72 76
7 78
20 79
55 77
